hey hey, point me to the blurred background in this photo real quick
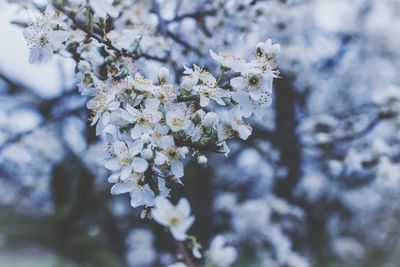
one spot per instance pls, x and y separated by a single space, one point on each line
318 183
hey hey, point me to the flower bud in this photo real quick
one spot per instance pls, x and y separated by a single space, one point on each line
147 153
163 74
202 160
201 113
188 82
145 138
84 66
198 116
209 119
184 150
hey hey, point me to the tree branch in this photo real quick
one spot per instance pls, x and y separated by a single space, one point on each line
378 119
185 254
107 43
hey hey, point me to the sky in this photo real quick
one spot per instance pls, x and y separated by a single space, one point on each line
14 53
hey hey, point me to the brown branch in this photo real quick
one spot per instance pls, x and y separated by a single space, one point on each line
378 119
185 254
118 52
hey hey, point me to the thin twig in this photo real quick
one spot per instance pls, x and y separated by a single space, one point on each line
185 254
107 43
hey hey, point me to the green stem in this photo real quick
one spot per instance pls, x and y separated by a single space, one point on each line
221 74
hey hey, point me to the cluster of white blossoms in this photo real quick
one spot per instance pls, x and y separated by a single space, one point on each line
152 126
45 35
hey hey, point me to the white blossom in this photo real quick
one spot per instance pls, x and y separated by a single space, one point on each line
229 61
140 192
269 49
43 40
144 119
177 120
176 218
221 255
125 159
238 125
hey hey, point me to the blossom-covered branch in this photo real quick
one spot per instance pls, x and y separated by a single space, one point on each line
152 125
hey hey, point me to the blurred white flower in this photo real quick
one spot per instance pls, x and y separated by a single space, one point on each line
140 248
176 218
178 264
221 255
388 171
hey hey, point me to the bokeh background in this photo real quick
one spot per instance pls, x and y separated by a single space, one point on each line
318 184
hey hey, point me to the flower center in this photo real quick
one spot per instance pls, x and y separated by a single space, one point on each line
143 120
175 221
177 122
125 161
207 94
238 122
43 40
254 81
173 154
